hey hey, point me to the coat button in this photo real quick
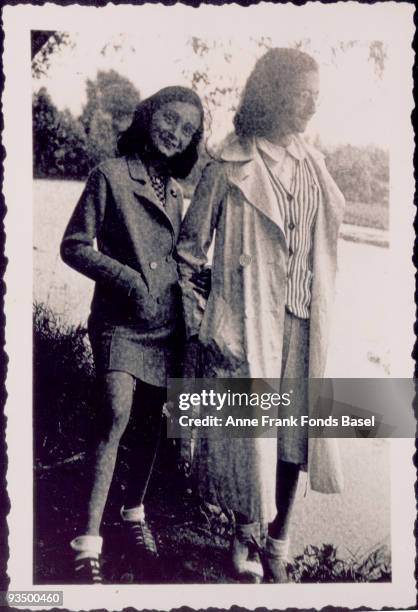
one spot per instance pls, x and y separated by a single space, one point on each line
289 197
153 265
244 260
290 251
291 226
168 258
173 193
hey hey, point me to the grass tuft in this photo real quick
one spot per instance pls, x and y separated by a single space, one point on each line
321 564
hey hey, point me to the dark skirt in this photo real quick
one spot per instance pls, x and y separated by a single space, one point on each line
151 356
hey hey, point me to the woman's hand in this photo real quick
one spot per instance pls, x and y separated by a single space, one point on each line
203 281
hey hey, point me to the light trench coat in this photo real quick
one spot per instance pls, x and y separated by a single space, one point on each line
241 325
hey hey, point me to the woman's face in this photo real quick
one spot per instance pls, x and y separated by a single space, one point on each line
173 126
299 102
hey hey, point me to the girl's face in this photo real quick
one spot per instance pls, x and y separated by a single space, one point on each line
300 101
173 126
297 105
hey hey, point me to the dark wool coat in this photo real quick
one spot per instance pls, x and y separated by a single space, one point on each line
136 289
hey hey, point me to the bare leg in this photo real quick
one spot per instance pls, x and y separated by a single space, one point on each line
287 475
118 390
295 365
144 439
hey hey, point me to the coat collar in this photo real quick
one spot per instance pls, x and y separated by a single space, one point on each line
234 151
277 152
143 187
249 173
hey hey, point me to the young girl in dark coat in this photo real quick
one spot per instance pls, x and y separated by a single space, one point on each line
132 206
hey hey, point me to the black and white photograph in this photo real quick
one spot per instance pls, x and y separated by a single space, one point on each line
208 193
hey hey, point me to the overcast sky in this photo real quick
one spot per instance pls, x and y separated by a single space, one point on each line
355 105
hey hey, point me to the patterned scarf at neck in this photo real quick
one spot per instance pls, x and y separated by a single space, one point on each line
158 184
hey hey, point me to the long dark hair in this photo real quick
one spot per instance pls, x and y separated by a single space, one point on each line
273 73
136 139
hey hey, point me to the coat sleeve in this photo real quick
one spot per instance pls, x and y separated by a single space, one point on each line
77 246
195 238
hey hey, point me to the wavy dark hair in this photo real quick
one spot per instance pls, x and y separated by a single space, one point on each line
136 139
266 86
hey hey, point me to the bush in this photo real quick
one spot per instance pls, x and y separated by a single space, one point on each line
321 564
64 389
362 173
59 141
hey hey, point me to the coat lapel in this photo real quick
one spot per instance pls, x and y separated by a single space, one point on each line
249 174
143 188
174 204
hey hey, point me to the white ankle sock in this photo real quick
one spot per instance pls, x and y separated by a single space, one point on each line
133 515
87 546
277 548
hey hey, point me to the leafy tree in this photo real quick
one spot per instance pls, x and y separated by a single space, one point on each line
101 138
112 94
71 155
44 43
45 121
59 140
362 173
67 147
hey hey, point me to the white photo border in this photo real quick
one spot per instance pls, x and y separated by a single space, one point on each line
391 22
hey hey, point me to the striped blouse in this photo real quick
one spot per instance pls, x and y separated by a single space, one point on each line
298 197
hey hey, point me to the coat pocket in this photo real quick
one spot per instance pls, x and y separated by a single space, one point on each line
143 308
221 331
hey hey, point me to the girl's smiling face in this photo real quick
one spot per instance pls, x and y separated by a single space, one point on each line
173 126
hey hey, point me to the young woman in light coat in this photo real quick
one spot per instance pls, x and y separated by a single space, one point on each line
132 206
276 212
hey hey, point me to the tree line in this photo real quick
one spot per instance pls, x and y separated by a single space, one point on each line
68 147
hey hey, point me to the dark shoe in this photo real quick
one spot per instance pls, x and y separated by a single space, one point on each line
277 571
142 552
245 556
139 534
142 539
87 571
275 558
